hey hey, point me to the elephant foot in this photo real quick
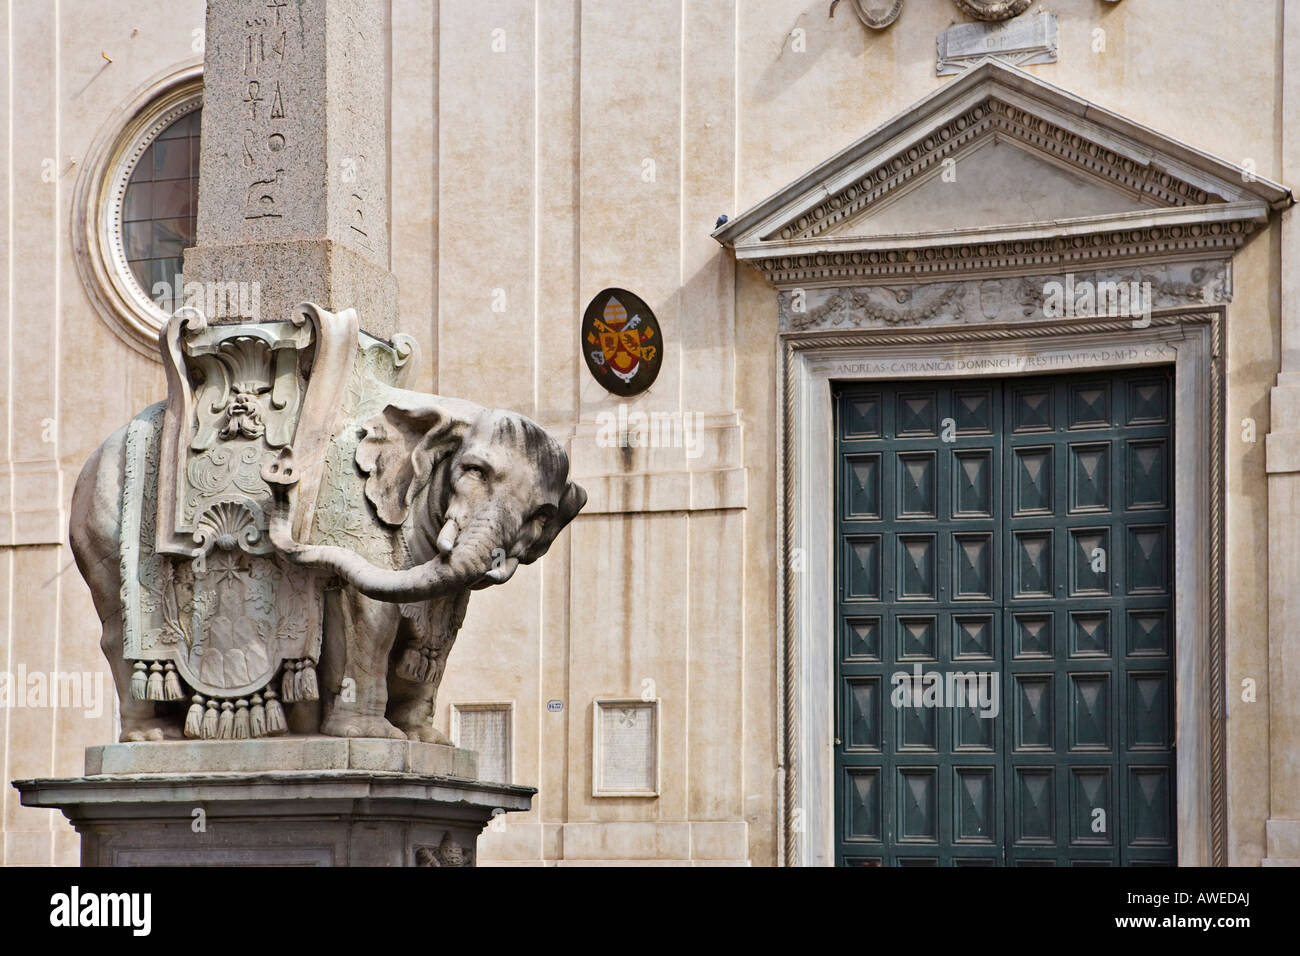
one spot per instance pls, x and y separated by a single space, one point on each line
153 729
359 725
429 735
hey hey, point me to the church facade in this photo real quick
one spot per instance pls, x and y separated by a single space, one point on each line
959 521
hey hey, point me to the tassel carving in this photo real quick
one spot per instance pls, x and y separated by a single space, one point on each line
210 719
274 715
172 683
241 719
257 718
194 719
309 689
288 683
139 679
154 689
412 665
226 727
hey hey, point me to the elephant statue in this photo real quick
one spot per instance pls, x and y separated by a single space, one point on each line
415 501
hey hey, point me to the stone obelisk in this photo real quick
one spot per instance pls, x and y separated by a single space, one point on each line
293 169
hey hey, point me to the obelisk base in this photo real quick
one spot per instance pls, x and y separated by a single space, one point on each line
287 814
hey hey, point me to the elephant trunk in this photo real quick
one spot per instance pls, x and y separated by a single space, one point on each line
470 560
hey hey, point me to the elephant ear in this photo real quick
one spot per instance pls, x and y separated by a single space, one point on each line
399 450
571 502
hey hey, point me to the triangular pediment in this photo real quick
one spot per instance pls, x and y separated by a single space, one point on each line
1005 163
994 181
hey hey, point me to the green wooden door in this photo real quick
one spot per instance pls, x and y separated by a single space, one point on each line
1004 646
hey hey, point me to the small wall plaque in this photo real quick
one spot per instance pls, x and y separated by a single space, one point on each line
485 728
621 342
1019 42
625 748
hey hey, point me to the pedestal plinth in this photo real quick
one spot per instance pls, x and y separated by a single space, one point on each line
298 801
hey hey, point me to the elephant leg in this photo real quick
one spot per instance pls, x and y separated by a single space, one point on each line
411 703
411 706
359 635
95 537
141 719
430 635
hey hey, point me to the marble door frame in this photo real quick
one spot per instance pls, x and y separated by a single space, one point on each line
1191 341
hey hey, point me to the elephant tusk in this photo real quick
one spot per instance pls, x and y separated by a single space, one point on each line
504 573
447 537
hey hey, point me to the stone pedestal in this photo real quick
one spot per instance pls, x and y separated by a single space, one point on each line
298 801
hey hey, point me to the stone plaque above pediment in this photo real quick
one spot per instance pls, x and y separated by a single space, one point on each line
1024 41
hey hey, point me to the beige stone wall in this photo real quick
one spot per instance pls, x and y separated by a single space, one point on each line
520 175
1251 370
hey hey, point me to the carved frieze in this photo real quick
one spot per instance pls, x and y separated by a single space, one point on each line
1007 299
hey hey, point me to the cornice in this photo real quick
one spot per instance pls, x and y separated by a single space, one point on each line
1159 235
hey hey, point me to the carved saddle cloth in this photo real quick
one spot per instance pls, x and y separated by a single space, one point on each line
210 611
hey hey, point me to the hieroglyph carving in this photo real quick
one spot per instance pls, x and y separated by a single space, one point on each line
267 41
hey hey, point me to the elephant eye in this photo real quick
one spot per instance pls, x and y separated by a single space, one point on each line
474 471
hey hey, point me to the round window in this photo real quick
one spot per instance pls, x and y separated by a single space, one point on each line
138 207
157 212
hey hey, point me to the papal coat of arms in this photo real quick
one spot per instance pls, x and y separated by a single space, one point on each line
622 342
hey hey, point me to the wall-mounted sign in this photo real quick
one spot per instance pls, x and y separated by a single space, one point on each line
555 706
621 342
